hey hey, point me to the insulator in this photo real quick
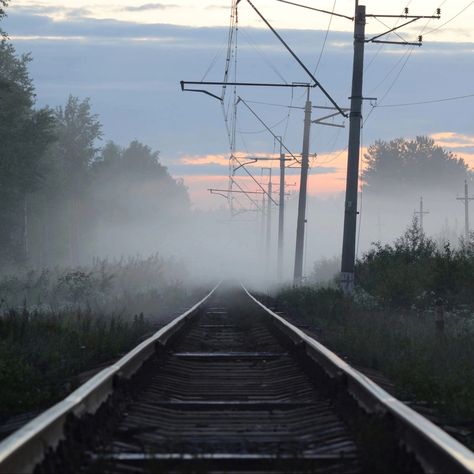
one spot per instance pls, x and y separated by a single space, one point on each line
438 11
420 39
406 10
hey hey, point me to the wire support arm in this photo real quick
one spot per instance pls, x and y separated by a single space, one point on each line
416 17
203 91
391 30
403 43
250 84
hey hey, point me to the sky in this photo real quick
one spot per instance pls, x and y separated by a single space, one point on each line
129 56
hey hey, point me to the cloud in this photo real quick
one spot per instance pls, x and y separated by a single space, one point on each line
460 144
453 139
217 7
54 12
150 6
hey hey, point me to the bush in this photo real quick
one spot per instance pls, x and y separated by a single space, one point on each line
414 271
425 365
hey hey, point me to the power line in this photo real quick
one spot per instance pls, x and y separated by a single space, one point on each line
451 19
271 127
433 101
325 38
273 105
263 56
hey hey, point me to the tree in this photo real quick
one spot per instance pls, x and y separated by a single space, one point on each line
3 4
131 185
78 131
25 135
406 166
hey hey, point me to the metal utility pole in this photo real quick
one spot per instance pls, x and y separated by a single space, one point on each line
466 200
355 118
301 222
352 182
421 213
281 216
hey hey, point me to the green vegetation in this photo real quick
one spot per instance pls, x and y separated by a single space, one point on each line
425 365
41 354
415 271
404 167
57 323
60 192
390 323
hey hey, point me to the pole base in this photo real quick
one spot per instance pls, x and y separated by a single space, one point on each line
346 283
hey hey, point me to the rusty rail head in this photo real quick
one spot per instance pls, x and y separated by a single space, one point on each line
436 450
24 449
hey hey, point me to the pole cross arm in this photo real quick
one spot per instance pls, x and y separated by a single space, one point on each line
403 43
392 30
203 91
320 121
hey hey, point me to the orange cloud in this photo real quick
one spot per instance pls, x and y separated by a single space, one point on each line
223 159
457 143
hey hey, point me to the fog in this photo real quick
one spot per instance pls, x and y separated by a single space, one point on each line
78 209
211 245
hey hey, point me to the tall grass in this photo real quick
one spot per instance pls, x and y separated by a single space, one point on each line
426 365
41 354
56 323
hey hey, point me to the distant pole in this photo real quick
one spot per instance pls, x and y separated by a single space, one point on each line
281 216
352 181
269 218
466 200
421 213
301 222
262 227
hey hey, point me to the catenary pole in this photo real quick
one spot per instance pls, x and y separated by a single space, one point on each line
301 222
281 216
352 183
269 220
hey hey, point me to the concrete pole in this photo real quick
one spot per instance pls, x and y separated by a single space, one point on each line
262 230
301 222
269 219
352 182
281 217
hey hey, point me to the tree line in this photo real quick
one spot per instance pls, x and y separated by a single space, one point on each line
57 185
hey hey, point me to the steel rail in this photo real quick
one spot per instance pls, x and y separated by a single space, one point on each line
24 449
436 450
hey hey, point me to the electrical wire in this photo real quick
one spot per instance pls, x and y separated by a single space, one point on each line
325 38
451 19
274 105
423 102
263 56
271 127
405 58
213 62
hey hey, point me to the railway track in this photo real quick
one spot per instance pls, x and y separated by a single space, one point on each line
230 386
